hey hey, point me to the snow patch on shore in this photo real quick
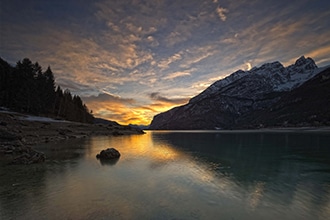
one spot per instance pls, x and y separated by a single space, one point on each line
41 119
30 117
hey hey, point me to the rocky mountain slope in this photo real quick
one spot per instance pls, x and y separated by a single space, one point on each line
235 101
307 105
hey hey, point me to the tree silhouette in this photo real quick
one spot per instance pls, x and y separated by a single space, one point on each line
5 74
25 88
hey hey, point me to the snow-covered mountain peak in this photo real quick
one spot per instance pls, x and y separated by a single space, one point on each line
269 66
298 73
306 63
274 74
302 65
267 95
268 69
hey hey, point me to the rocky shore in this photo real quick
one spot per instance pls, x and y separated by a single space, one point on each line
19 133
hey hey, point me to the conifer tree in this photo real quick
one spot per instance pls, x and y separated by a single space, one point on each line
5 72
25 88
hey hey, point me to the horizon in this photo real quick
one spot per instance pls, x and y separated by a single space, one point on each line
130 60
246 71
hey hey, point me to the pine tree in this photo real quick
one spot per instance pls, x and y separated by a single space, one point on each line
48 90
26 95
58 101
25 88
5 72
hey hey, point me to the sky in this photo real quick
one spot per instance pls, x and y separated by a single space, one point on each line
131 59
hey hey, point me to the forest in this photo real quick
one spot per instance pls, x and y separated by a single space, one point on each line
26 88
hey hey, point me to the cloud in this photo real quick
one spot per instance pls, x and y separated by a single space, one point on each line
127 110
110 106
231 39
321 54
283 34
113 26
165 63
76 87
86 60
197 54
189 23
126 114
152 41
109 98
249 66
221 13
176 75
128 47
156 96
176 37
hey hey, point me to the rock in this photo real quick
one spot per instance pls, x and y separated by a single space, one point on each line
2 123
9 152
63 131
5 135
108 154
117 133
29 157
109 162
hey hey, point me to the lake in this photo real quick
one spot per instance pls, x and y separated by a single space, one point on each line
175 175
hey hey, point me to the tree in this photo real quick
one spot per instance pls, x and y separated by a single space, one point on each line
58 101
46 89
5 72
25 88
26 97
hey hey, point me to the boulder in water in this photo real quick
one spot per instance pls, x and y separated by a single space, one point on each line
108 154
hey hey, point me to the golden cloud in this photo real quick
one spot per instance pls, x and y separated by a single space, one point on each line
126 110
322 55
176 75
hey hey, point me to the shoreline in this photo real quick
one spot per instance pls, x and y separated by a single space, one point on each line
20 133
249 130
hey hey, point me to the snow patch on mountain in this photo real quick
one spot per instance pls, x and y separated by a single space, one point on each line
274 75
228 101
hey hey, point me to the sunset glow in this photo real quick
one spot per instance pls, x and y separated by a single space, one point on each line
130 60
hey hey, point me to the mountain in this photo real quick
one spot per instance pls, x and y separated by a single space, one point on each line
105 122
307 105
232 102
142 127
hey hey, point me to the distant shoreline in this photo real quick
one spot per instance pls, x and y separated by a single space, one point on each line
274 129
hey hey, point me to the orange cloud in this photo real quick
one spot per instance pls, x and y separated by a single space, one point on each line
320 54
126 110
111 107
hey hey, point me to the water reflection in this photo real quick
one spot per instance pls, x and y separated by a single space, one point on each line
106 162
171 175
251 155
284 168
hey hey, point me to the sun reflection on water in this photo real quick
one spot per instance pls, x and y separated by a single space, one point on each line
256 194
168 176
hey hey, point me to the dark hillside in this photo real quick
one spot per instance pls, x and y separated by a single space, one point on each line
307 105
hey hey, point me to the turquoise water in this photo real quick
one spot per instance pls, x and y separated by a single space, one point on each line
175 175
